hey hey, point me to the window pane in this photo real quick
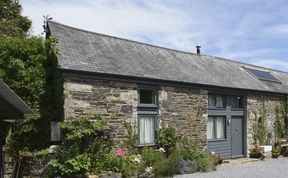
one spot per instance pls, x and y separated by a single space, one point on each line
147 97
210 128
237 102
220 127
219 101
211 101
146 130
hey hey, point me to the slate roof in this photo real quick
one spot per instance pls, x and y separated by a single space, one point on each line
82 50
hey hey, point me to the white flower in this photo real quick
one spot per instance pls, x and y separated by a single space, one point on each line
53 149
137 158
161 150
148 169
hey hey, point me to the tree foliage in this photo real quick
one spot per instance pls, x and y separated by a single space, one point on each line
12 23
24 67
28 64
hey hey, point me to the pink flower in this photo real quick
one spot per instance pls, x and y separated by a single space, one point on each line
120 152
182 134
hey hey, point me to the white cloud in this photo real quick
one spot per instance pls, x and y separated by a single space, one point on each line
120 18
239 29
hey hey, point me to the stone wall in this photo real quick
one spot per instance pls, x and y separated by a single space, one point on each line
182 107
187 110
257 104
114 100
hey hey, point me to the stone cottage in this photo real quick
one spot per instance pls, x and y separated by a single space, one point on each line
214 100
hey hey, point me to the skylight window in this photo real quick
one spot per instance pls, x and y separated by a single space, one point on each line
262 75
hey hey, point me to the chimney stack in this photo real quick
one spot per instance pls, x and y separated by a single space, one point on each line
198 49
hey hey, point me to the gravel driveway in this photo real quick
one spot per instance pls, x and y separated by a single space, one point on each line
270 168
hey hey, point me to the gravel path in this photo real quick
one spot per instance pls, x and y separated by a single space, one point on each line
270 168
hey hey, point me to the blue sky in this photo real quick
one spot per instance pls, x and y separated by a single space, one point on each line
251 31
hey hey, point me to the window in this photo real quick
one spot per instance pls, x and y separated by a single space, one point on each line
147 96
146 130
216 101
147 115
237 102
216 127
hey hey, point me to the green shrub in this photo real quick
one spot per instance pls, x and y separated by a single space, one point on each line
86 139
189 151
168 166
43 152
205 162
168 138
150 156
118 164
76 165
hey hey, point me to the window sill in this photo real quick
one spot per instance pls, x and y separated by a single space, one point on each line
217 140
214 108
237 109
147 106
148 144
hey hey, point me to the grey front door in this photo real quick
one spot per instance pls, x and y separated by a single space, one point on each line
237 136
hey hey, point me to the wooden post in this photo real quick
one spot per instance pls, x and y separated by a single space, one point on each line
1 147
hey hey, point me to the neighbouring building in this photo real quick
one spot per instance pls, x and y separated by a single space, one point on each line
214 100
11 108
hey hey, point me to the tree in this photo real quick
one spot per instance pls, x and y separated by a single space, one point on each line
12 23
25 65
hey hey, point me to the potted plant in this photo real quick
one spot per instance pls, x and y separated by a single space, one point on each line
276 151
255 152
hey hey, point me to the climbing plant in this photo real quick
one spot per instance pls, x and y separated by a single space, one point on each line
279 128
283 112
259 126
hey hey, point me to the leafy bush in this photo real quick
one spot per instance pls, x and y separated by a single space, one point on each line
176 164
168 166
150 156
118 164
168 139
76 165
205 162
188 150
86 139
88 148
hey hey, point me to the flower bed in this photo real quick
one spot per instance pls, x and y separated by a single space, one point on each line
88 149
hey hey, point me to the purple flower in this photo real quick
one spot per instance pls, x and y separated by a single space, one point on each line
182 166
69 122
